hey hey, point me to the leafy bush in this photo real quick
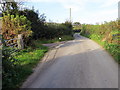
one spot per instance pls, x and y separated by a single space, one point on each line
9 64
13 25
54 30
106 34
114 50
77 27
18 64
45 30
55 40
37 22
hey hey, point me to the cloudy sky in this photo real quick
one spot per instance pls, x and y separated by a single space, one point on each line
83 11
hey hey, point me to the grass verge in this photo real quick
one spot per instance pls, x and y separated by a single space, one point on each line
63 38
17 67
112 48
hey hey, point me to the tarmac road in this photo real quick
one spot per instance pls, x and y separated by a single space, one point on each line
79 63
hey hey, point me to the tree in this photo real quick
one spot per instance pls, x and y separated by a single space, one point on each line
77 23
10 7
37 24
69 27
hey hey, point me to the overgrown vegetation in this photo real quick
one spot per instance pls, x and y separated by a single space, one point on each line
42 29
12 25
17 64
107 35
55 40
77 27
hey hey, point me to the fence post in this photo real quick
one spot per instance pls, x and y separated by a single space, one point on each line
20 42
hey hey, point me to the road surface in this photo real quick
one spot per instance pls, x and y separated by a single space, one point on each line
79 63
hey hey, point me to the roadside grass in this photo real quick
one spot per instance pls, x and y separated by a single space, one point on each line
112 48
55 40
25 61
30 58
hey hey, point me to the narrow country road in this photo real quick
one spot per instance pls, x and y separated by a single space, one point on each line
79 63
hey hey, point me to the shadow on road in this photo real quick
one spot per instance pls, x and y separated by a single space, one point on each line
81 70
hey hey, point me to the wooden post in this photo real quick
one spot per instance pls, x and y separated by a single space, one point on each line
20 42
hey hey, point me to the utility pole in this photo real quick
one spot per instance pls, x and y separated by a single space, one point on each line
70 14
119 10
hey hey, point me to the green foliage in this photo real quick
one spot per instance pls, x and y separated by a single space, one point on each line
9 66
54 30
114 50
77 29
54 40
66 38
13 25
17 65
37 23
77 23
30 58
46 30
106 34
9 7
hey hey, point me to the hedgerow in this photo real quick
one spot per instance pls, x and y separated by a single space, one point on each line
107 34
